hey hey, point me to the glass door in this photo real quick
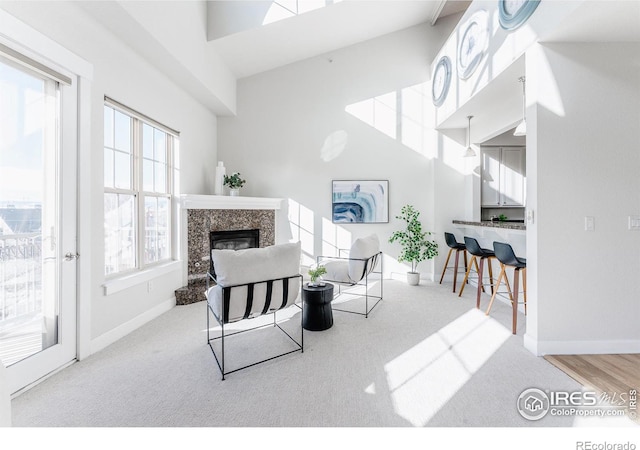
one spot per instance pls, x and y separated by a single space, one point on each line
37 221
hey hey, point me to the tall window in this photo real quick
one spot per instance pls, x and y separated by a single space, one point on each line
138 156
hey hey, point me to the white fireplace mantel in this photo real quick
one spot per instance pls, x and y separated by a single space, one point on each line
189 201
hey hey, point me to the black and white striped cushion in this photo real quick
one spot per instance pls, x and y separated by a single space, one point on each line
259 277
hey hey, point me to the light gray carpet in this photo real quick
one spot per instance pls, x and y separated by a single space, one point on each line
424 357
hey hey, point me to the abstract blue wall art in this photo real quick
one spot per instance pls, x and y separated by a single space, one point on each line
357 201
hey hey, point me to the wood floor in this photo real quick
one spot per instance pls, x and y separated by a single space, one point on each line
602 373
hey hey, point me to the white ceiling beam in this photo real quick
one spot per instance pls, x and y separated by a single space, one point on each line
437 11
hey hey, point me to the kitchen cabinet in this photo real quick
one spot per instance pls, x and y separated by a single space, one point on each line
503 173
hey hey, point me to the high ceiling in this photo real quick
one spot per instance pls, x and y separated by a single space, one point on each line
592 21
233 31
600 21
250 47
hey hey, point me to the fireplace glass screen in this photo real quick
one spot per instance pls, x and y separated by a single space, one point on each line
232 240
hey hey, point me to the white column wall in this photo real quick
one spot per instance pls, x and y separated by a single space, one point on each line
583 159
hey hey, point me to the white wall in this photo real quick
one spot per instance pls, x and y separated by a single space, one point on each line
285 116
583 159
123 75
503 49
5 398
181 28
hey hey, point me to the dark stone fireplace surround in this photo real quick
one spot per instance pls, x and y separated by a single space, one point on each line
200 222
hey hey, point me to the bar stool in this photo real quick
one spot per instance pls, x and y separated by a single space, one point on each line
506 256
483 254
453 244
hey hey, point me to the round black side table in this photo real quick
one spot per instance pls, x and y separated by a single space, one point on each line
317 314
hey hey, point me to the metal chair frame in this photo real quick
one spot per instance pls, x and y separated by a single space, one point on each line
226 293
369 266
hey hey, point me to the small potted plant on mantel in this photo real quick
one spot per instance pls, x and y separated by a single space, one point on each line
234 183
415 245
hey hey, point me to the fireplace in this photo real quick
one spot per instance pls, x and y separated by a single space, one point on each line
223 216
232 240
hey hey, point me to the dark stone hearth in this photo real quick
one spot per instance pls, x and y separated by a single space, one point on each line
192 293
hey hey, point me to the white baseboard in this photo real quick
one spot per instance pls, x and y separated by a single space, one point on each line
542 348
121 331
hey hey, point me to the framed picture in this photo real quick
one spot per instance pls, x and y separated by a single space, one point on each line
360 201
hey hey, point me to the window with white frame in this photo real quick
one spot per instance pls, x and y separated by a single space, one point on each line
138 154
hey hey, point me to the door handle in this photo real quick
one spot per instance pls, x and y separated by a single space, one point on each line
71 256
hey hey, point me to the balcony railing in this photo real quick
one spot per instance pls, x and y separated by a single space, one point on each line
20 277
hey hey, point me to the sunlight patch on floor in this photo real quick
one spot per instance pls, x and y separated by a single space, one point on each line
424 378
356 293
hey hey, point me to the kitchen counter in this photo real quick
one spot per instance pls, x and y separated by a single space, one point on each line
490 224
487 232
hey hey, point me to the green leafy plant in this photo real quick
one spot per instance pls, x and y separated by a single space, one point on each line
415 245
316 273
234 181
502 217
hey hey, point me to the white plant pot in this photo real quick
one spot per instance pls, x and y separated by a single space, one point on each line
234 192
413 278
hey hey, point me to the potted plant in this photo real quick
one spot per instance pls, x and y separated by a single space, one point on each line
316 273
415 245
234 183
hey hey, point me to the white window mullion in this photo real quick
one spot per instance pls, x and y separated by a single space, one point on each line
137 162
170 190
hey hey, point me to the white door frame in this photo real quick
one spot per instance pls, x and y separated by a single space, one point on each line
74 152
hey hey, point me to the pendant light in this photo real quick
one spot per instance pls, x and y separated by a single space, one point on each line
521 129
469 153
